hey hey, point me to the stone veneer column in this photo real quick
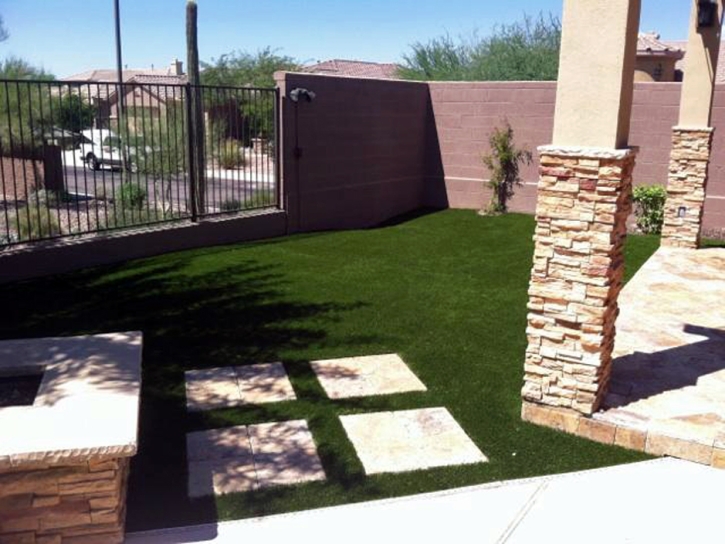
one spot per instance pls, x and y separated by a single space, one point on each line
686 187
583 204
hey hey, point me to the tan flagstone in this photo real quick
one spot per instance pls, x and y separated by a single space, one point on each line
230 387
262 383
241 458
284 453
366 376
211 388
220 477
410 440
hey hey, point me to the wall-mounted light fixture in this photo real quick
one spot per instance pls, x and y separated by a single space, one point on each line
706 13
681 212
301 94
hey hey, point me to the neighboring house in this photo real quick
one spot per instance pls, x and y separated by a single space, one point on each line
354 68
657 60
682 64
151 90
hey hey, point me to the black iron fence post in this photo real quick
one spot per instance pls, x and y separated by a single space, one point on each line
190 138
277 148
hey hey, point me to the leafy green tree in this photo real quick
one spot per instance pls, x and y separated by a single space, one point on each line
22 106
243 69
527 50
71 112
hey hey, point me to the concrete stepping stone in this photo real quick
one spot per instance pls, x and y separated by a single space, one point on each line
228 387
245 458
366 376
410 440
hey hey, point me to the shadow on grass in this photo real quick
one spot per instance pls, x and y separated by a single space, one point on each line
200 310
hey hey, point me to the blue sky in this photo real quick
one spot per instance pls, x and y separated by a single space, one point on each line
70 36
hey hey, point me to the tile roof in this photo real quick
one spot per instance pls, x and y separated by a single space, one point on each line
111 76
648 43
354 68
101 84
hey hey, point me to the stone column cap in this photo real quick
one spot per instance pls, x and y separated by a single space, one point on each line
589 152
87 405
684 128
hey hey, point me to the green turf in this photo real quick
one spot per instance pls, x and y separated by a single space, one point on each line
447 291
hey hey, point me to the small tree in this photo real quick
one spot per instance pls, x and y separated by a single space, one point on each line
504 163
73 113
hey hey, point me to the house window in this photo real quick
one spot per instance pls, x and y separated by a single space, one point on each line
658 72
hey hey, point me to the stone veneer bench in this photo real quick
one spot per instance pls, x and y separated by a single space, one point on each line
64 459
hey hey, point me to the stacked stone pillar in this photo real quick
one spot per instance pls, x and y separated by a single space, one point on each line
686 187
78 503
584 198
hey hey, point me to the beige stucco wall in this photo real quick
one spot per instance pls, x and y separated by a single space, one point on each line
594 97
703 47
647 67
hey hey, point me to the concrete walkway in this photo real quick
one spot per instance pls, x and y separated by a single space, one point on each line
661 501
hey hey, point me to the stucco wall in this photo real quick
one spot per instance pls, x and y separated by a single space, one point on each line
654 69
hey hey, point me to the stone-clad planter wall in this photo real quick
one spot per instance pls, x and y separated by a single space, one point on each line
64 460
64 504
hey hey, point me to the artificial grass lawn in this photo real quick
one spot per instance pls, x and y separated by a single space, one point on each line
447 291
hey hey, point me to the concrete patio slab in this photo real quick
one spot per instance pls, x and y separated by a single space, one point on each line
366 376
410 440
229 387
668 376
241 458
664 501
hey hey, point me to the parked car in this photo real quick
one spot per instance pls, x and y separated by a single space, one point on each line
100 147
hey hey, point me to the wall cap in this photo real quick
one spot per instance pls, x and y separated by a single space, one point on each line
708 130
588 152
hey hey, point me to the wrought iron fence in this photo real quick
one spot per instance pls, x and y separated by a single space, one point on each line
79 157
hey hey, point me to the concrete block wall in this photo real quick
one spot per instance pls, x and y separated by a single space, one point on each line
358 154
465 114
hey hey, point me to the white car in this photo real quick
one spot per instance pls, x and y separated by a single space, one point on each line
100 147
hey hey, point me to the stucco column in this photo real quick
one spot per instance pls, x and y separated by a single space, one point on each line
583 202
692 139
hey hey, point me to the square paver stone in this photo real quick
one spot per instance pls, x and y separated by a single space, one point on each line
410 440
284 454
366 376
228 387
239 459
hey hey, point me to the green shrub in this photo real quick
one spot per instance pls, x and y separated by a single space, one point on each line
261 199
649 202
35 223
504 163
132 196
231 205
231 155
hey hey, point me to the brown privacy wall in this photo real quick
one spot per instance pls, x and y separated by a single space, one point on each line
358 154
466 113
